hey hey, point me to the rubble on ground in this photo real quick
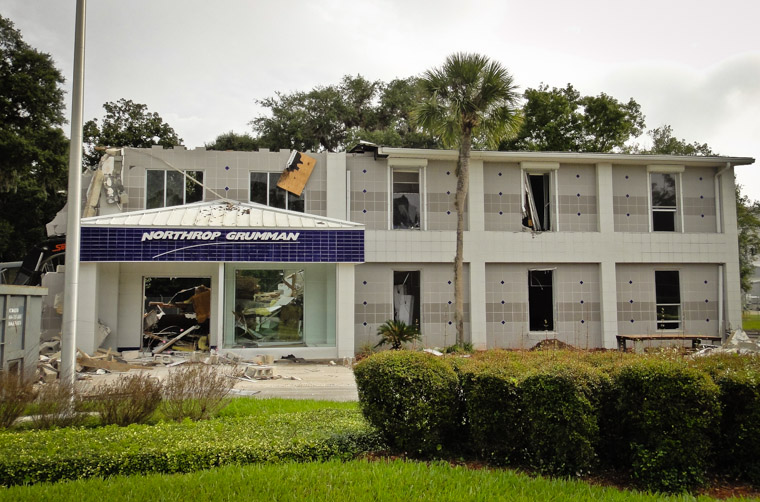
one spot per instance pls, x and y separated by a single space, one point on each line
737 343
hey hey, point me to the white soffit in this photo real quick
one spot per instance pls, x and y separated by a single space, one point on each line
219 214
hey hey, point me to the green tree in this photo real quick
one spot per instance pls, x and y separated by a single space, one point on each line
470 99
233 141
561 120
748 222
126 124
33 147
663 142
337 117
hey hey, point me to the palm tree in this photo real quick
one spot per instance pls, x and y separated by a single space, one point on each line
469 98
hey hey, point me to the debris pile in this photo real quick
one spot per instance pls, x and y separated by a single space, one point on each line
737 343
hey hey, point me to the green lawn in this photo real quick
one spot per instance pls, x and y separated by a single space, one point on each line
750 322
334 481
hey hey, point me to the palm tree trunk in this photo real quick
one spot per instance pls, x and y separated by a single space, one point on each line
463 183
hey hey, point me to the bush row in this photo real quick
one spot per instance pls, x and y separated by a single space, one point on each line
664 420
72 453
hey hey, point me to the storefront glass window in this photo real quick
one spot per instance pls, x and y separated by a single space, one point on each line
269 307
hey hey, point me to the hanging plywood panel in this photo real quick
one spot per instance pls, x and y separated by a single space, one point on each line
297 172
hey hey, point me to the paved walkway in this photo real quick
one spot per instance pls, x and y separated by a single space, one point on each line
305 380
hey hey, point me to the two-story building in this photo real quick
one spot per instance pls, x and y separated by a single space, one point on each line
579 247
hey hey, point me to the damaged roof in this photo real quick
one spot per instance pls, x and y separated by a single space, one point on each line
219 214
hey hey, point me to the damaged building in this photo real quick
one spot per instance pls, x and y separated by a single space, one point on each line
308 253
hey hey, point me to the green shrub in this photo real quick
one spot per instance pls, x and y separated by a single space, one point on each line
558 420
130 399
491 409
15 395
738 378
195 391
74 453
665 413
396 333
411 397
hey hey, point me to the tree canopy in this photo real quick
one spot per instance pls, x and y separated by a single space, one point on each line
126 124
33 147
336 117
561 120
234 141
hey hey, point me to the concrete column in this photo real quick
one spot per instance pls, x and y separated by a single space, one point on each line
108 300
478 325
87 312
731 282
336 186
608 303
344 309
606 219
476 198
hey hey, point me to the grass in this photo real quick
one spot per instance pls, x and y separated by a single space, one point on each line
335 481
242 407
750 322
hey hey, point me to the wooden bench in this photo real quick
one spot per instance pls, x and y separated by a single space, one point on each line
638 340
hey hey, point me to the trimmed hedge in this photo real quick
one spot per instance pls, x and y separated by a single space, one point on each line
738 378
665 421
75 453
666 414
413 399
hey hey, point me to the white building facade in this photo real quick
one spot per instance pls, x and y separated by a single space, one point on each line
578 247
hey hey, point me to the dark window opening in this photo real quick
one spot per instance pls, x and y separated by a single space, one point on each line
537 207
406 200
668 298
664 202
406 297
541 300
264 190
177 305
172 188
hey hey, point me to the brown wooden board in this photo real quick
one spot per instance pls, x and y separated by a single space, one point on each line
294 177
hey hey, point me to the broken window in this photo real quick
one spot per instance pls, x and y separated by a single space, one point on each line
264 190
177 310
540 300
668 299
406 297
166 188
269 307
664 202
406 199
536 206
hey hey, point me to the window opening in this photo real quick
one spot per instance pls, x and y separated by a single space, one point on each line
540 300
172 188
269 308
406 297
664 202
406 199
668 298
536 208
264 190
176 306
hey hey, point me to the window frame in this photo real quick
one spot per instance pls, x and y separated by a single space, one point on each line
185 175
529 284
420 171
417 308
659 322
270 186
549 169
675 173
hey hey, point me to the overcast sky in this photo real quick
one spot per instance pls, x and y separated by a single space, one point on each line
693 64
